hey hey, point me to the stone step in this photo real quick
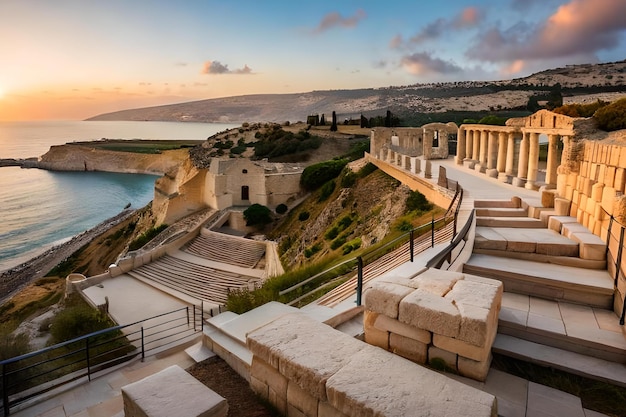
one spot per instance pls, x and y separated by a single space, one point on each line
517 222
585 330
572 261
501 212
511 203
199 352
564 360
546 280
540 241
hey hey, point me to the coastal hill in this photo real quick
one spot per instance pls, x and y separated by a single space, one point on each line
581 83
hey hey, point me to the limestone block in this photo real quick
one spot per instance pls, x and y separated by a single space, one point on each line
328 410
146 257
547 198
406 271
280 403
268 375
301 401
473 369
125 264
384 297
614 155
584 167
601 173
561 206
608 199
593 172
585 219
477 324
464 349
137 261
169 392
400 388
373 335
596 192
572 179
569 192
390 325
576 196
437 281
582 204
620 178
300 346
516 202
115 271
590 207
609 176
587 186
579 216
591 246
408 348
448 358
561 184
476 294
430 312
259 388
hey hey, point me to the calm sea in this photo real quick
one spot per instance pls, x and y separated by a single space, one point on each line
41 208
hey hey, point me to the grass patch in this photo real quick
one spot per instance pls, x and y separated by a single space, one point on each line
146 237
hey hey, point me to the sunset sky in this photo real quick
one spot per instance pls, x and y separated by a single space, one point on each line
72 59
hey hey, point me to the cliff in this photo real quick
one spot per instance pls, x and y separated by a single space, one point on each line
71 157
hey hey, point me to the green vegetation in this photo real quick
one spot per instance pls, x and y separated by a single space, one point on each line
316 175
326 191
278 142
140 146
12 345
281 209
416 201
77 320
257 215
580 110
303 216
69 265
146 237
612 117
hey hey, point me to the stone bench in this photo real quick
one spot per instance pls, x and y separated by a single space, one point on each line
306 368
172 392
435 316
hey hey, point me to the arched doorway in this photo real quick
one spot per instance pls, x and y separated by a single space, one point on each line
245 192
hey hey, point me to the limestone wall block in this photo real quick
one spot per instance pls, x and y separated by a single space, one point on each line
301 401
591 246
448 358
596 192
437 281
474 369
601 173
385 323
280 403
585 219
576 196
572 179
259 388
561 184
476 323
609 176
593 172
268 375
115 271
373 335
547 198
588 186
584 168
430 312
590 206
147 257
620 178
400 387
305 359
126 264
614 156
464 349
384 297
327 410
137 261
619 209
408 348
476 294
562 206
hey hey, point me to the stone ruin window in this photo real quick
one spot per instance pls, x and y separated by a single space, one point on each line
245 192
436 139
244 171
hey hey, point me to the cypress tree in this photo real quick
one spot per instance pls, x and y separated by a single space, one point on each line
333 127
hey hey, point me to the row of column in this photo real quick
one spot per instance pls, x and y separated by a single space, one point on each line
508 156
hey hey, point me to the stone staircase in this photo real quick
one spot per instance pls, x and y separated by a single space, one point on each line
557 308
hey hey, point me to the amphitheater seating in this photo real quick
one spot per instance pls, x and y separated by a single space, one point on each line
197 281
223 248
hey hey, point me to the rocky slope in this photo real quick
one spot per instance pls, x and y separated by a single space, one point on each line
576 81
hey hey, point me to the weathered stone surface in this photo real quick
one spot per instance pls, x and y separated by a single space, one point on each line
556 223
384 297
402 388
307 352
373 335
476 323
476 294
408 348
301 400
328 410
269 376
170 392
474 369
436 281
431 312
590 246
464 349
547 198
435 354
383 322
259 388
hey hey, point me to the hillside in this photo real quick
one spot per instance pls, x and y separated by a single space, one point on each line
578 83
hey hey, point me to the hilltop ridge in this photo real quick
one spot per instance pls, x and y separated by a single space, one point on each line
586 82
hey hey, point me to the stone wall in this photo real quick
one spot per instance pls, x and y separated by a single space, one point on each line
307 368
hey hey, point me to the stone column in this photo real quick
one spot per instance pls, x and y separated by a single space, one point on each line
553 162
460 146
492 153
502 150
476 149
470 144
522 167
510 154
429 136
483 150
533 161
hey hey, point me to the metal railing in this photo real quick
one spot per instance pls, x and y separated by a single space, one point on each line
381 259
33 374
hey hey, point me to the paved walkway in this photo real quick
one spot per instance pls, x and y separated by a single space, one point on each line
102 396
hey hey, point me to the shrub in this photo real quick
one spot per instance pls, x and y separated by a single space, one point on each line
580 110
326 191
332 233
316 175
308 252
303 216
146 237
612 117
348 180
345 222
237 150
12 345
76 321
281 209
257 215
337 243
354 244
366 170
417 202
404 226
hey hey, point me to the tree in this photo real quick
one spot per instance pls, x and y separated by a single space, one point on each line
323 120
612 117
364 122
333 127
257 215
388 119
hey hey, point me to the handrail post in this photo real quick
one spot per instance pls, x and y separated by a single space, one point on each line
143 347
608 236
194 318
618 261
187 311
5 391
359 282
411 245
432 232
87 355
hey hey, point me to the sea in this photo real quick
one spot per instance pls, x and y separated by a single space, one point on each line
40 209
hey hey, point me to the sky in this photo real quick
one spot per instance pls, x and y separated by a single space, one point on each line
72 59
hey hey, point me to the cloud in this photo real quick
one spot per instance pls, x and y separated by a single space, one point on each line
466 18
334 20
577 28
216 67
396 42
469 17
433 30
423 63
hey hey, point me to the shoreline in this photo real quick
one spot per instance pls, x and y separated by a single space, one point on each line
15 278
